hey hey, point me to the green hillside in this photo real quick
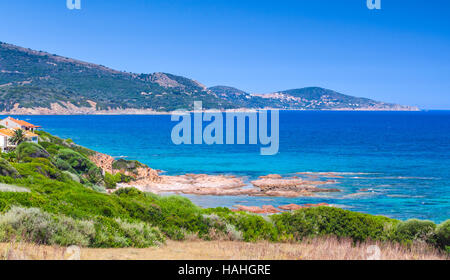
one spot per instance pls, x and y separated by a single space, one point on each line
35 79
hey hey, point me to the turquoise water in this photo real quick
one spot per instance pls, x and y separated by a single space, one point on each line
403 158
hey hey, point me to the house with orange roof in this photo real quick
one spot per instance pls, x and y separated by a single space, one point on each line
18 124
8 131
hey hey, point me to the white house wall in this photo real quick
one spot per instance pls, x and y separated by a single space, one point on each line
2 142
9 124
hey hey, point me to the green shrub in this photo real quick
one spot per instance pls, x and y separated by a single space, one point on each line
97 188
63 165
6 169
443 235
33 225
127 165
78 162
72 176
221 229
94 175
10 156
32 150
72 232
321 221
253 227
47 137
141 234
70 160
117 233
415 230
51 148
129 192
111 181
34 168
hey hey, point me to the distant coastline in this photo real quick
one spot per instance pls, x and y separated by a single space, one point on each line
70 109
40 83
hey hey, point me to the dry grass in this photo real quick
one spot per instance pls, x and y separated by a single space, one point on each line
313 249
29 251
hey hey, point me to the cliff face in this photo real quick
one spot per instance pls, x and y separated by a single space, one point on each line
35 82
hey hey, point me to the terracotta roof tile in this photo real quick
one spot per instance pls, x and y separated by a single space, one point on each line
23 123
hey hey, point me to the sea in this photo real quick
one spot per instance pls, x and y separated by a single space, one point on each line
395 164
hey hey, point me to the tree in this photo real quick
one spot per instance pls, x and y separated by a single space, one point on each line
18 137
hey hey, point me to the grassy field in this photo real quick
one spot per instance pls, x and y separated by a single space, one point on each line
312 249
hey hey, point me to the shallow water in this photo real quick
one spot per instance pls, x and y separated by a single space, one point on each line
402 158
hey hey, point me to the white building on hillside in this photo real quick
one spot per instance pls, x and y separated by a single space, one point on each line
17 124
8 129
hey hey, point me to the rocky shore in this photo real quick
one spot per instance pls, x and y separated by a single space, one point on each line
150 180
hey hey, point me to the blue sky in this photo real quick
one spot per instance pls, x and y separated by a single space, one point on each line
399 54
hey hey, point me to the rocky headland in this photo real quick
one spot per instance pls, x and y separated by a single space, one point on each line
150 180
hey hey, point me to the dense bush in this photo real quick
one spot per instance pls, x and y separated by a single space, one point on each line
70 160
10 156
78 162
32 150
443 235
51 148
41 168
6 169
111 181
33 225
127 165
322 221
415 230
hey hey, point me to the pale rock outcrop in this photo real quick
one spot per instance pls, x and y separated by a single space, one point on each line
265 209
143 175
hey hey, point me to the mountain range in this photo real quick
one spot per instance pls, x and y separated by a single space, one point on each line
37 82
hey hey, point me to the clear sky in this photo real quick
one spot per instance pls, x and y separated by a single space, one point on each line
399 54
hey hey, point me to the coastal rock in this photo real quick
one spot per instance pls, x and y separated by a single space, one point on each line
226 185
282 193
291 207
141 172
291 184
269 209
273 185
103 161
149 180
265 209
201 184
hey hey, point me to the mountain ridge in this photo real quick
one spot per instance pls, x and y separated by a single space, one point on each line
37 82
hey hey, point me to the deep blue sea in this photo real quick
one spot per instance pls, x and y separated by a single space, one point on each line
403 158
